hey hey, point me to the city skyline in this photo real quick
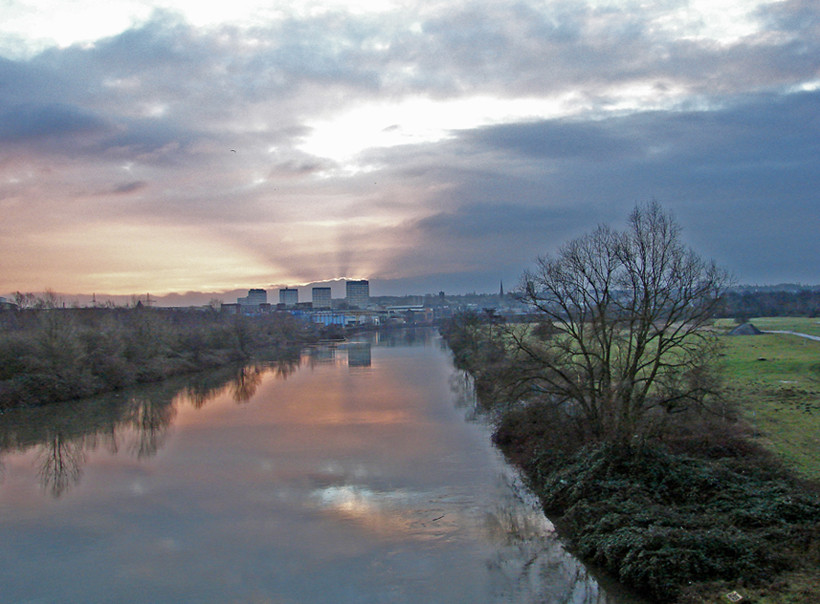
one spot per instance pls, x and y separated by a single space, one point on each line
197 151
320 295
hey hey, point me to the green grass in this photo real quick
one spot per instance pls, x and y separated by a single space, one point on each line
807 325
775 378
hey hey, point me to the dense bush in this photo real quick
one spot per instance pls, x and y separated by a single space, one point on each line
56 354
661 521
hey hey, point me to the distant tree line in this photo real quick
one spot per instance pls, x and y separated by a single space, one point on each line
50 354
748 304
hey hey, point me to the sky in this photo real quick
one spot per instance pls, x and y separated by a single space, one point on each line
172 147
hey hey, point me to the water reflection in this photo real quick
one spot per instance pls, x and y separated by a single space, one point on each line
342 473
60 462
464 392
245 382
205 386
62 435
285 363
150 419
321 355
528 563
358 354
405 337
533 564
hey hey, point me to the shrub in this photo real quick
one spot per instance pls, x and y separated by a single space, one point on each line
660 521
56 354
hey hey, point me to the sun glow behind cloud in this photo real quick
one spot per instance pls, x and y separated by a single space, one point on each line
312 140
418 120
382 125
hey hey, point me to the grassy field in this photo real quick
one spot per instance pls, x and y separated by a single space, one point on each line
798 324
776 380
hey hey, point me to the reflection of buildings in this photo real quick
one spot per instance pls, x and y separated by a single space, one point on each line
322 354
357 293
358 354
321 297
289 296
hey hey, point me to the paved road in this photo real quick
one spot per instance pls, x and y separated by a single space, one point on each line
794 333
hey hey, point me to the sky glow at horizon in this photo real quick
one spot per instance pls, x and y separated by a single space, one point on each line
178 146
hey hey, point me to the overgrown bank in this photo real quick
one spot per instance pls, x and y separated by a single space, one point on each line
53 355
686 513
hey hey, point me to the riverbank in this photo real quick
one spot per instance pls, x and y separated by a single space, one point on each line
691 515
685 519
56 355
325 480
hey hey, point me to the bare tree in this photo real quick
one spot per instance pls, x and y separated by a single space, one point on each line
623 325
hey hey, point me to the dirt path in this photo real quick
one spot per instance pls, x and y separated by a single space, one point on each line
795 333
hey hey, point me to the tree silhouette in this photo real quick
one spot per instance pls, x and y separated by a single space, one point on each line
624 316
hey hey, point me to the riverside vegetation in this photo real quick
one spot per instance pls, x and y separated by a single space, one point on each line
57 354
696 508
629 418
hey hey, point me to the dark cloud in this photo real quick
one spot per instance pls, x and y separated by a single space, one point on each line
474 223
24 82
590 141
770 131
299 168
53 121
799 16
130 187
743 179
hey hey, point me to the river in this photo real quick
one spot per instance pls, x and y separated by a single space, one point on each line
344 473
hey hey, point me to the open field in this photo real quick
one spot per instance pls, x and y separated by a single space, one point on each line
807 325
776 380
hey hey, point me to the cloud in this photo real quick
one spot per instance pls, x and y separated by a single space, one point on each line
451 138
740 178
130 187
559 140
52 121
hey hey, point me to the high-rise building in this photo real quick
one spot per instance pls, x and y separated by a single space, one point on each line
255 297
289 296
321 297
357 293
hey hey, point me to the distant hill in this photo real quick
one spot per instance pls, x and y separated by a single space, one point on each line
780 287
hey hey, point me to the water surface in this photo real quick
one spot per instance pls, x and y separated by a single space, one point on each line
340 474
